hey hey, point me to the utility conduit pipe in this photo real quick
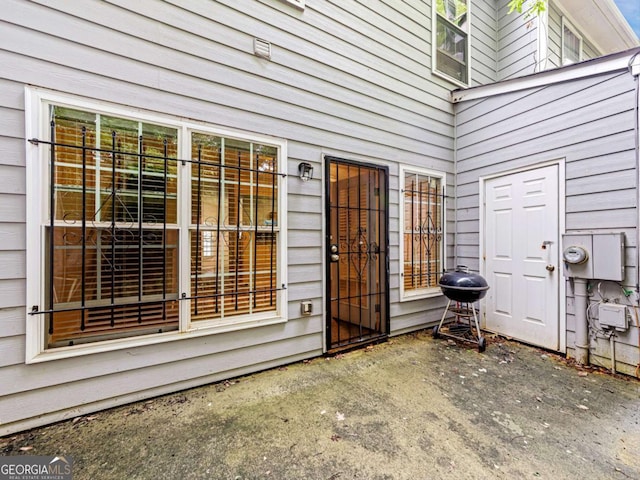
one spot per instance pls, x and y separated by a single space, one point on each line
582 328
612 346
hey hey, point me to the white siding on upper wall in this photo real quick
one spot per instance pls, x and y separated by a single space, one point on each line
352 81
588 122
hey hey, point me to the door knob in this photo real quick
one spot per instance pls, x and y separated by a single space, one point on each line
551 268
335 257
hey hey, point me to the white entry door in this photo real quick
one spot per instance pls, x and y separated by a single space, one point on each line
521 256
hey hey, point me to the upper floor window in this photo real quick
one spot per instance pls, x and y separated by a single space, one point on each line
571 44
451 39
149 226
422 243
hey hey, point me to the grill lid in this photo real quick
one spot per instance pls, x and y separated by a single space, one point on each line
463 286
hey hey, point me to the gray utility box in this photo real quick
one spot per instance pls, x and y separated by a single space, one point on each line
593 256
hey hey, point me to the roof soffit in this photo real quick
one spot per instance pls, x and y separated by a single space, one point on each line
601 23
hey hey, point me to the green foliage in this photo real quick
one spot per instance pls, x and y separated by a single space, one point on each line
533 7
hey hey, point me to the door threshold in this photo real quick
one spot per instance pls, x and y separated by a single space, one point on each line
357 345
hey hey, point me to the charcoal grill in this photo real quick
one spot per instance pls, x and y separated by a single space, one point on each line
462 289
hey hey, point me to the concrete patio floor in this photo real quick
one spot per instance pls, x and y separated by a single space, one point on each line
412 408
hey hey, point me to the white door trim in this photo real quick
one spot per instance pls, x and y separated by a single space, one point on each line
562 295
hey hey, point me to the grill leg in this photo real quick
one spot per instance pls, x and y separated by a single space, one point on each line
475 320
444 314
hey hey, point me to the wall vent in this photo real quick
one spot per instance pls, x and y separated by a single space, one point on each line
296 3
261 48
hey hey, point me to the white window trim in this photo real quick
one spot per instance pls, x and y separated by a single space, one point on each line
572 29
425 292
434 48
36 126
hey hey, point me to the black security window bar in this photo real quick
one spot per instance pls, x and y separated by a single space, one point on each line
111 238
112 249
451 38
423 198
234 227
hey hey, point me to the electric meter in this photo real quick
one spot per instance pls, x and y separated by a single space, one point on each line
575 255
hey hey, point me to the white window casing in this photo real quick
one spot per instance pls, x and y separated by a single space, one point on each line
38 104
432 230
451 40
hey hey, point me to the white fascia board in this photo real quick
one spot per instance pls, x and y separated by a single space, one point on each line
588 68
634 66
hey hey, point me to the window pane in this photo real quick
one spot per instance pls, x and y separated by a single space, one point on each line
232 272
119 180
451 46
571 49
68 131
107 170
453 10
115 271
423 214
205 179
234 189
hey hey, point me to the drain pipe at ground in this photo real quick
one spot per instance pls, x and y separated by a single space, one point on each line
582 328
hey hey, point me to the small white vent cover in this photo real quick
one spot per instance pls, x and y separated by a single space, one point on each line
296 3
261 48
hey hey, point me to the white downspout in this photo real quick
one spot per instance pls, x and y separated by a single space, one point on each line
455 189
634 70
542 41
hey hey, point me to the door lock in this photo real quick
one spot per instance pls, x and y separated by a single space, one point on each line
333 248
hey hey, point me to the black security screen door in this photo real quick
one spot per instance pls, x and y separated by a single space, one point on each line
357 253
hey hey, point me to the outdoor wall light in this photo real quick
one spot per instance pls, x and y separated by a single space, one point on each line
305 170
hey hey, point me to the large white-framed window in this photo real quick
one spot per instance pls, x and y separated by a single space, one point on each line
450 40
571 44
422 237
145 228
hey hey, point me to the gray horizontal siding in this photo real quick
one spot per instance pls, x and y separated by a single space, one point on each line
483 42
517 36
26 403
517 43
554 39
588 123
12 321
351 82
12 237
69 371
589 50
554 44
